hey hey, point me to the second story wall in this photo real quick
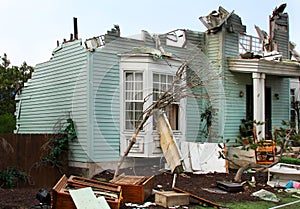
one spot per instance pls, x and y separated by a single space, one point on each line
57 91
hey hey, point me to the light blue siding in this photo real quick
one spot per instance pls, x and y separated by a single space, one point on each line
56 91
233 84
280 107
106 99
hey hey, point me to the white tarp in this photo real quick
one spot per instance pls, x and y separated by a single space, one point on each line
203 157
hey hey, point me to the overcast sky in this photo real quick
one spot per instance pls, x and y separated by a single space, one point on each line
31 28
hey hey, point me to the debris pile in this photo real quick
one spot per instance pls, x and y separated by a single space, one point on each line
63 197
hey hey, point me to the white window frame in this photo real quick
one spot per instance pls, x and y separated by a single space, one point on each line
147 143
133 96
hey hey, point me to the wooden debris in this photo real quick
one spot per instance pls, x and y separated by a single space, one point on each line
63 199
168 144
171 198
199 200
136 189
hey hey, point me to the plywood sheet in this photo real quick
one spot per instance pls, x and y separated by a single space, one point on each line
168 144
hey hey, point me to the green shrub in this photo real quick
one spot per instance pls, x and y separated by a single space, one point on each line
290 160
10 175
7 123
58 144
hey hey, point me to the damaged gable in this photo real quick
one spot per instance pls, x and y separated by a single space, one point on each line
279 31
216 19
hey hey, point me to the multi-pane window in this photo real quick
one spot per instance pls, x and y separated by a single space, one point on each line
163 83
133 99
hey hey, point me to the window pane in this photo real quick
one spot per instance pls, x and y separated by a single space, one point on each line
163 87
129 95
139 96
129 125
129 106
129 76
155 78
128 85
170 79
139 106
156 86
139 86
139 76
163 78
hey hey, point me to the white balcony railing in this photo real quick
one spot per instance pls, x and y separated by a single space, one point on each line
249 43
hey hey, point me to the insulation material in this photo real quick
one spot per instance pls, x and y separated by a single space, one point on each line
203 157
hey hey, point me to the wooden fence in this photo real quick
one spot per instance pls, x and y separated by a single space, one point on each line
24 151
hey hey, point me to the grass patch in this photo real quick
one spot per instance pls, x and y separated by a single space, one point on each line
260 204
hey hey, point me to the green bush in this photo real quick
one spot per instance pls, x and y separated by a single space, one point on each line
10 175
7 123
290 160
59 144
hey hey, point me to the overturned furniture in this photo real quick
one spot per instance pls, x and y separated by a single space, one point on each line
136 189
62 198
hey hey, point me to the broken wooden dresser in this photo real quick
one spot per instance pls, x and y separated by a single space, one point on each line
63 199
136 189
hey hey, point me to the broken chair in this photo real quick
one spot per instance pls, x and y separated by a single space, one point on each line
265 151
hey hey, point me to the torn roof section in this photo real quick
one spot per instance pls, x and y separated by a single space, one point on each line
216 19
266 43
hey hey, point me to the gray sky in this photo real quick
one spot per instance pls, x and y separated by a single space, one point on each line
30 28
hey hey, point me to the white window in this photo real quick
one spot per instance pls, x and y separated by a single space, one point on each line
133 99
142 80
163 83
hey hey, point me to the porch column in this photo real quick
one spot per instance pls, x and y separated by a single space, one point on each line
259 102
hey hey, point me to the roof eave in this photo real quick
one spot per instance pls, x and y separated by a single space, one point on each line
278 68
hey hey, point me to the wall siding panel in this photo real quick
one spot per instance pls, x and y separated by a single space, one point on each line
106 99
234 83
56 91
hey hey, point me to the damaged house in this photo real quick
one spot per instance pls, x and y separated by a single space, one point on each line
101 84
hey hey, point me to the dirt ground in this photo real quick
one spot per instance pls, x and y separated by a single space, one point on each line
197 184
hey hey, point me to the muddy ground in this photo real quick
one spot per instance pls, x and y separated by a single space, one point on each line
202 185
